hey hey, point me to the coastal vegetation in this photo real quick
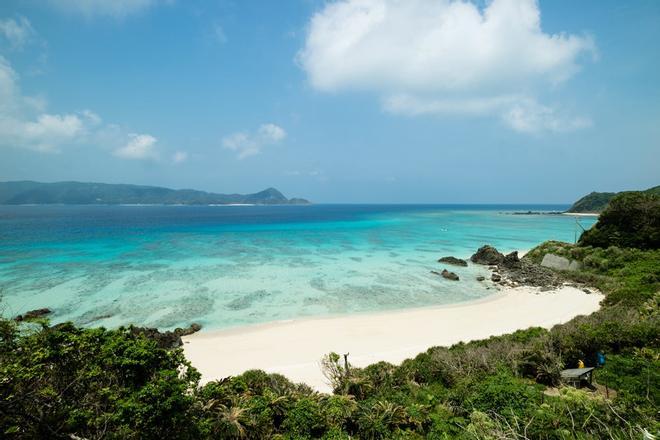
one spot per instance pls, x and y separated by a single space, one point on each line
62 381
598 201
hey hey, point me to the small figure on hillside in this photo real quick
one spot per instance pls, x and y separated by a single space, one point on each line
580 364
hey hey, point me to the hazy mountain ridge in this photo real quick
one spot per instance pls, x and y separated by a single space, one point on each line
597 201
84 193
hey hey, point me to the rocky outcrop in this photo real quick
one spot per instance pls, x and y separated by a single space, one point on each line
487 255
511 270
453 260
167 339
511 260
32 314
532 274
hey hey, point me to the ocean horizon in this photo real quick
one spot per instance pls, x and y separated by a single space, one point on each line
167 266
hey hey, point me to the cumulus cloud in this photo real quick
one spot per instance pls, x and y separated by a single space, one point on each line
440 56
24 123
250 144
111 8
18 32
138 147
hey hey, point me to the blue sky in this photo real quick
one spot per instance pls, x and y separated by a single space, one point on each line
337 101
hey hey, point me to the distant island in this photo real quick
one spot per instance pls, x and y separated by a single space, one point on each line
84 193
597 201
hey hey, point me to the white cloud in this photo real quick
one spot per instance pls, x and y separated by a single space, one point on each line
111 8
138 147
250 144
270 133
520 113
439 56
179 157
531 117
18 32
25 124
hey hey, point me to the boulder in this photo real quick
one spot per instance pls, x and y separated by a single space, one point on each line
557 262
511 260
574 265
453 260
481 278
496 277
449 275
487 255
32 314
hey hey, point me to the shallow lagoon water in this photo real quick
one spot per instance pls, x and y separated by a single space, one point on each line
227 266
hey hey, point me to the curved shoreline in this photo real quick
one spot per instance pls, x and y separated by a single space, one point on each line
294 348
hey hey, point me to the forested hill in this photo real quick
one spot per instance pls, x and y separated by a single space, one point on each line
79 193
597 201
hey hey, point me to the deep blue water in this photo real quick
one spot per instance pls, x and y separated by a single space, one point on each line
225 266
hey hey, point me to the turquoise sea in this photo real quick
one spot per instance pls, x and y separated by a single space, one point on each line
226 266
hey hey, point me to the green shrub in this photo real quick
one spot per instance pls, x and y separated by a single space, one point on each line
631 219
305 419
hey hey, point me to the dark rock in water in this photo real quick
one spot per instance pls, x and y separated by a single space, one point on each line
449 275
100 317
537 213
32 314
446 274
481 278
496 277
453 260
487 255
511 260
167 339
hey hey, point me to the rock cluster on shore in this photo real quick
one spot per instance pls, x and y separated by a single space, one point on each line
487 255
512 271
167 339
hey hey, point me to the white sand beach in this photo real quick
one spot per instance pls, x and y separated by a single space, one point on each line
294 348
582 214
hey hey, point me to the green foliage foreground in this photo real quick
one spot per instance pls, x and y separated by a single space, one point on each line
66 382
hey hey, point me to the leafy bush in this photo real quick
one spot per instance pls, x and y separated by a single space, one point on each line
631 219
56 381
